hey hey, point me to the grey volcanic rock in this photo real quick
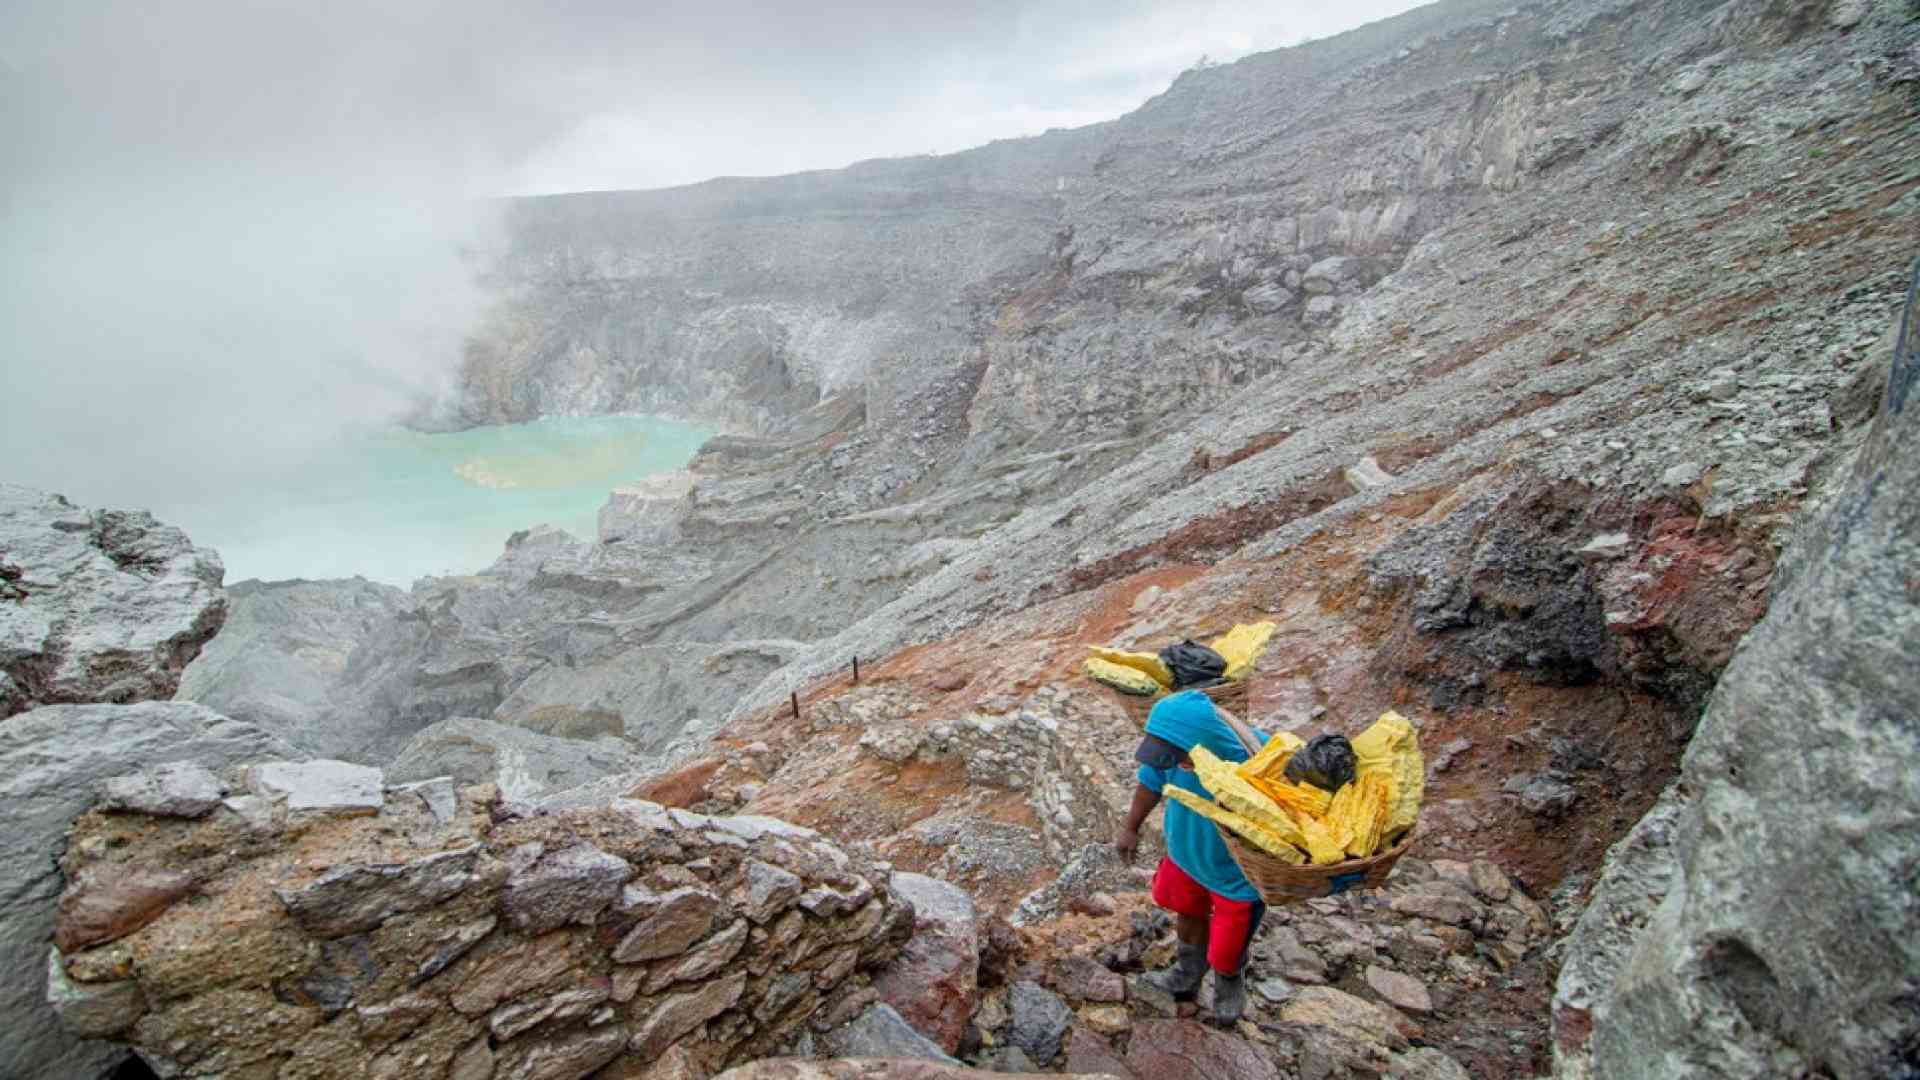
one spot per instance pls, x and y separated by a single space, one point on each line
572 885
52 764
356 899
97 605
319 787
934 984
880 1032
279 658
390 947
175 789
1788 942
524 764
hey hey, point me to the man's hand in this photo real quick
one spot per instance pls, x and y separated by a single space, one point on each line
1128 839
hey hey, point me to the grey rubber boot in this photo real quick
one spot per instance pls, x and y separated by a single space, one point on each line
1182 980
1229 998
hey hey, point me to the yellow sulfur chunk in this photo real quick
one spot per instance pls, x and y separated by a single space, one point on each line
1388 734
1124 679
1344 810
1372 802
1409 781
1264 839
1325 844
1145 662
1392 748
1225 784
1242 646
1272 759
1296 798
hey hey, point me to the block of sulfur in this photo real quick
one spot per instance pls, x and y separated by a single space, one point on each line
1127 680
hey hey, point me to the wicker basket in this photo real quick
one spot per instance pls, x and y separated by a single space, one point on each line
1228 695
1283 883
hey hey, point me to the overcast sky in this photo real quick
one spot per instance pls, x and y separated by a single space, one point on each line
227 229
490 97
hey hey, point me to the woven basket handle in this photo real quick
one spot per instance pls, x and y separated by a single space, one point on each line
1240 731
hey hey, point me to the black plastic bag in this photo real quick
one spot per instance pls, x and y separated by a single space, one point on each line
1193 664
1326 762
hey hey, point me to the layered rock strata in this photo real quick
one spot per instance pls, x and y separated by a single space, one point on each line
317 932
97 605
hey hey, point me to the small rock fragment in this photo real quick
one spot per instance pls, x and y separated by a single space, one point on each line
677 1015
677 919
767 890
1489 881
175 789
570 886
320 787
91 1010
111 901
1040 1020
879 1032
355 899
438 796
1403 991
1366 474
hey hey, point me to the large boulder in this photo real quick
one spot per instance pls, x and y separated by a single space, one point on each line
934 984
1789 937
53 763
525 765
97 605
483 939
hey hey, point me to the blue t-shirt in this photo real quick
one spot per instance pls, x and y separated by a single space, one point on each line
1193 842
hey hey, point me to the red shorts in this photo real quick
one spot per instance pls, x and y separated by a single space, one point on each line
1231 923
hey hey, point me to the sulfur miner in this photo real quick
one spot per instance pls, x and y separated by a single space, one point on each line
1216 910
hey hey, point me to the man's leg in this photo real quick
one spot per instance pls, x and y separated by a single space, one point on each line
1234 924
1191 905
1190 930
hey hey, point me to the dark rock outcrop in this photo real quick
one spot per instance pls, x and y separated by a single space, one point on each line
1781 936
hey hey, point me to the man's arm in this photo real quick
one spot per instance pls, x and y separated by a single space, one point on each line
1144 800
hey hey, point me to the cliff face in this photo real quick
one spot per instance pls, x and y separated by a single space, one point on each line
1173 243
1772 891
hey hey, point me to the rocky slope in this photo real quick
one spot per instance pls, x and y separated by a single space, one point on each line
1644 248
1493 350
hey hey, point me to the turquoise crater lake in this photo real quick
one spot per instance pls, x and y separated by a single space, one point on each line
397 505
